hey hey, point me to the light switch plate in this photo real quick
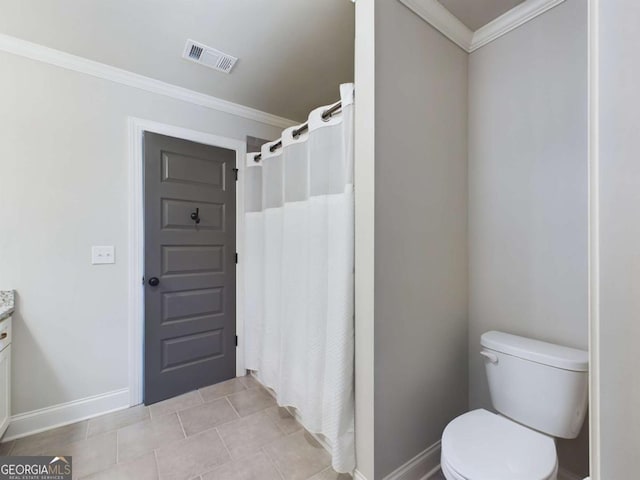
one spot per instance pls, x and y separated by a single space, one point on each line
103 254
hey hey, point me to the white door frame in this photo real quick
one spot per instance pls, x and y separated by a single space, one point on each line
137 127
594 243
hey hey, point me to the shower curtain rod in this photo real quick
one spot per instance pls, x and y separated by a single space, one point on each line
304 127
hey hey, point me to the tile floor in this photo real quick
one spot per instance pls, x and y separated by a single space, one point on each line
230 431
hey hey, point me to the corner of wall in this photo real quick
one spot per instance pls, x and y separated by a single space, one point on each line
364 236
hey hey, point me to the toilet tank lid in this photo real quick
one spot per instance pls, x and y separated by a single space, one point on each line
545 353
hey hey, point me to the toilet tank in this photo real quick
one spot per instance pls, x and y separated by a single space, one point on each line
537 384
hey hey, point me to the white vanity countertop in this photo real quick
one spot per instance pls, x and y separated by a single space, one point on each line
7 298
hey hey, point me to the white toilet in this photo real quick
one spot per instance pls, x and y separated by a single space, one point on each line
540 390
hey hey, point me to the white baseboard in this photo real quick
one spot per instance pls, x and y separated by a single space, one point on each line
562 473
567 475
357 475
47 418
427 464
433 473
420 467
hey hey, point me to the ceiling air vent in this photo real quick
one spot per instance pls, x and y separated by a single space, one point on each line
209 57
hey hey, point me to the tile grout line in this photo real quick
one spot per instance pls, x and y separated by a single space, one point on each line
232 407
221 424
155 456
181 425
213 427
273 464
322 471
275 424
224 444
304 431
285 433
231 459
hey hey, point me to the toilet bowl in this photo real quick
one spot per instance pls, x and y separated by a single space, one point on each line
540 391
481 445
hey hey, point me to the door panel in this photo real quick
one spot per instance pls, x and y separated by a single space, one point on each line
180 351
177 305
192 170
190 314
175 214
192 259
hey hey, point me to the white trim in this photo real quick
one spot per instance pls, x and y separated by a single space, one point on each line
358 475
594 244
511 20
58 58
137 127
567 475
364 241
451 27
422 466
442 20
432 474
429 461
36 421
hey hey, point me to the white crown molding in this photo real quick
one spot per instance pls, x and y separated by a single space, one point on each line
36 421
511 20
23 48
444 21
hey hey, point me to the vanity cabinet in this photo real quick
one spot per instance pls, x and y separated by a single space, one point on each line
5 374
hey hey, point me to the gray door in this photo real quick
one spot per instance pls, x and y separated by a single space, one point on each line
190 277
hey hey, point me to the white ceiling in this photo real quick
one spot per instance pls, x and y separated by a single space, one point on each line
477 13
293 53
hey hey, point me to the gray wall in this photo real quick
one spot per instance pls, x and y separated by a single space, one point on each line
528 204
619 205
420 235
64 163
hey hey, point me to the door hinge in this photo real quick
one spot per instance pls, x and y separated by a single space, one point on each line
235 172
236 257
143 280
236 340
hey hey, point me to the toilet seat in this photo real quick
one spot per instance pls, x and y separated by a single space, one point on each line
450 473
481 445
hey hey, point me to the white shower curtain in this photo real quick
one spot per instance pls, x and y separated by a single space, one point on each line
299 242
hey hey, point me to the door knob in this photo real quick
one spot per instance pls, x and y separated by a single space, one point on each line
154 281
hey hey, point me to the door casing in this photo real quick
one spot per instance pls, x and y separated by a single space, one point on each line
137 127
